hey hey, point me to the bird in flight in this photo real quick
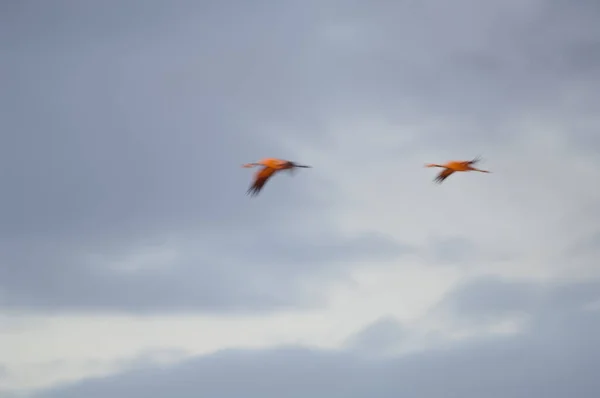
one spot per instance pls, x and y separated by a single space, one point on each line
270 166
454 166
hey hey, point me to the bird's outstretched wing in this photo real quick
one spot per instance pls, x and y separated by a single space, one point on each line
260 179
443 175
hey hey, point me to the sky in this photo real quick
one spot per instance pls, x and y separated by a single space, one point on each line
132 263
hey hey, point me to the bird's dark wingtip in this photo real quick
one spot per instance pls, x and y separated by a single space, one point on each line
477 159
252 192
439 179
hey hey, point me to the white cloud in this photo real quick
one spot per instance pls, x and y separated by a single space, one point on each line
84 346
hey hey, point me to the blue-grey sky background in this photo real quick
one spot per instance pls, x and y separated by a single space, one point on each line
132 264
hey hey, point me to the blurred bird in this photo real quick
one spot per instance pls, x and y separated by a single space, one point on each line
454 166
270 167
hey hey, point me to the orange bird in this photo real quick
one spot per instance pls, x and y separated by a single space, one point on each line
453 166
270 167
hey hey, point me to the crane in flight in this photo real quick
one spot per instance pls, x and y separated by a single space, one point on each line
455 166
270 166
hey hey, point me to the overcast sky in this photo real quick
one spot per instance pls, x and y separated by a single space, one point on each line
133 265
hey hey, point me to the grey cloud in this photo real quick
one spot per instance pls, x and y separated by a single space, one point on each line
588 245
110 134
488 298
379 337
491 297
452 249
124 123
211 277
557 357
478 73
